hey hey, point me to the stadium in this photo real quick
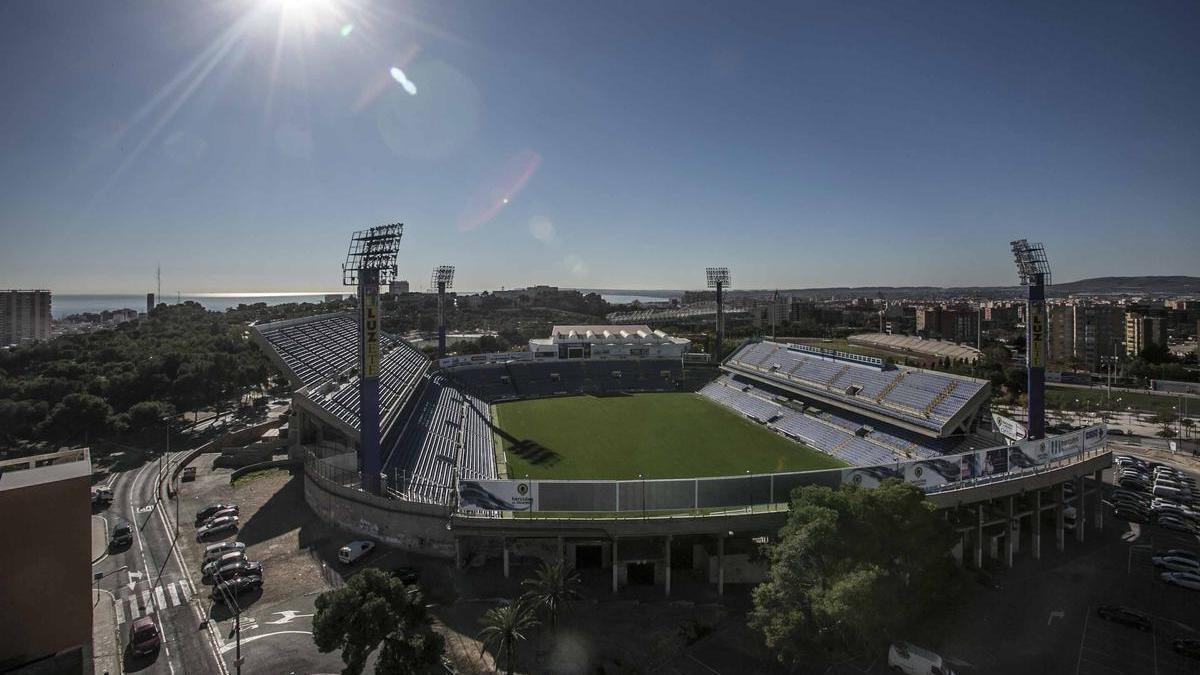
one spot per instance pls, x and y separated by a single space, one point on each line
616 446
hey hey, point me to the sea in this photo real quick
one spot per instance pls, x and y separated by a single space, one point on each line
64 305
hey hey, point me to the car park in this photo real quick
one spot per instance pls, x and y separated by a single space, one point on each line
207 512
144 637
225 559
214 551
1188 580
218 526
354 551
223 591
1176 563
121 534
1125 616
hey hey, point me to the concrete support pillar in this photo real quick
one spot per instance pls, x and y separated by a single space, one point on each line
458 560
979 537
1037 525
1060 536
721 565
615 563
667 566
1010 533
1098 480
505 541
1080 509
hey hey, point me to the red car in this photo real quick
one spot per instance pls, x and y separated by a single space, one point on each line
143 636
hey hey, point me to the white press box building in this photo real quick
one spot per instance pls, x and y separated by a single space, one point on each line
608 342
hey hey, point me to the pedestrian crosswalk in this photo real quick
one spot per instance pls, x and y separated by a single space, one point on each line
140 603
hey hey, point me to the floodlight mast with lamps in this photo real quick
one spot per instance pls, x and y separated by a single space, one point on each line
370 263
718 278
1033 269
443 278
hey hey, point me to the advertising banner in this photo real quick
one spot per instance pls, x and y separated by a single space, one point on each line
1009 428
497 495
370 331
1037 335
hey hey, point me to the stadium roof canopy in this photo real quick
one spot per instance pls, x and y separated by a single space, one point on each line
915 345
928 402
319 356
611 334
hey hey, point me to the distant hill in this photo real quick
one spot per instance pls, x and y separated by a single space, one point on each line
1132 285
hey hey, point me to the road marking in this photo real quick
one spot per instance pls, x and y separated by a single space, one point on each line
134 610
1058 614
120 607
145 509
1087 614
286 616
229 646
174 597
148 601
160 598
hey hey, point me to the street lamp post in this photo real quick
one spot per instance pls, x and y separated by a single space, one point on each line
100 575
231 601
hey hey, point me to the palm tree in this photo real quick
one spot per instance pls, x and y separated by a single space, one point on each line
552 587
504 627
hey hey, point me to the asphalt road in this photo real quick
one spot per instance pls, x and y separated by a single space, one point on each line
153 581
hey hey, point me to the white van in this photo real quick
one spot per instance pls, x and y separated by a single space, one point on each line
913 660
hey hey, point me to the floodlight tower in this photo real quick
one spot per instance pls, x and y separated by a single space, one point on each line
718 278
370 262
1034 270
443 278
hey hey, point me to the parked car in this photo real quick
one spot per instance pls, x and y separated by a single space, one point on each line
1176 523
355 550
232 588
1188 580
189 474
143 636
1180 553
913 660
225 559
224 513
1124 615
102 496
206 512
1176 563
1130 515
1187 647
1171 491
408 575
214 551
225 524
239 568
121 535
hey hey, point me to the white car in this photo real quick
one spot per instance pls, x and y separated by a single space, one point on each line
1189 580
216 526
355 550
214 551
1176 563
912 660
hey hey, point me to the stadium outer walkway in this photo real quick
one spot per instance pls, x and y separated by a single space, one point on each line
995 511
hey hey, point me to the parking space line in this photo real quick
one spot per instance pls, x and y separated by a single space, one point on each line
1087 614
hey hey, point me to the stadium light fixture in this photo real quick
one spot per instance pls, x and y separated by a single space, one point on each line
373 253
717 276
442 278
1031 260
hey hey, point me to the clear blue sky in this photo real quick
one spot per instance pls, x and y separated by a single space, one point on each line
802 143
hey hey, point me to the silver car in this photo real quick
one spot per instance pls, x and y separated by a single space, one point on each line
225 524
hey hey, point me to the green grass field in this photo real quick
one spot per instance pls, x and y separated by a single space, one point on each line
657 435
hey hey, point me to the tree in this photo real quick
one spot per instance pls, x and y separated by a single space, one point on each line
504 627
149 414
375 610
76 413
551 588
852 567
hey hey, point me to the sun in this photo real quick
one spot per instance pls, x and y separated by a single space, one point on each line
307 14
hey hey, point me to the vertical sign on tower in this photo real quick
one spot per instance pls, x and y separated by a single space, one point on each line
1037 334
370 331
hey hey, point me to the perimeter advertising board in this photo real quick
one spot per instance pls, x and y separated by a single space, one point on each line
1009 428
697 493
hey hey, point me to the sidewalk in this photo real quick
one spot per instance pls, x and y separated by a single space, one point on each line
106 644
99 538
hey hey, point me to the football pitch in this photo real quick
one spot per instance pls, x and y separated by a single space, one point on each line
676 435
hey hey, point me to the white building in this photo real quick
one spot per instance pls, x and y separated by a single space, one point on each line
608 342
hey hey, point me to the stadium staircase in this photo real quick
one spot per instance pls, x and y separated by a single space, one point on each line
941 396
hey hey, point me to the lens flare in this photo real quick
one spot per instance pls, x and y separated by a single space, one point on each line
499 190
399 76
347 30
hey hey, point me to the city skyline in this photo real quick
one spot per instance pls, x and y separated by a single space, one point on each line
598 146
